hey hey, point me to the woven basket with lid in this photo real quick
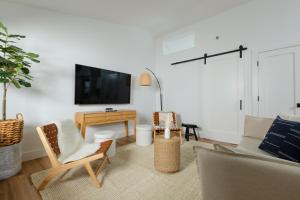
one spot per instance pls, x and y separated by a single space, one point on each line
11 130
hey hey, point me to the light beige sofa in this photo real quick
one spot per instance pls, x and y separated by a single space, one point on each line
246 172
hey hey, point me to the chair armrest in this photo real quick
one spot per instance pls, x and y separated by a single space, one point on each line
104 147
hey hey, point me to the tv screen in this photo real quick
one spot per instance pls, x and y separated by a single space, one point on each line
100 86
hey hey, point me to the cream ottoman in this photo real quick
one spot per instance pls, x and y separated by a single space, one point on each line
101 136
143 135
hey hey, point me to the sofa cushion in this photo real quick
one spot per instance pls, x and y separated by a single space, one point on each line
257 127
250 145
283 140
290 117
228 176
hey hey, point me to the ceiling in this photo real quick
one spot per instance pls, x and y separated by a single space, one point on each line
155 16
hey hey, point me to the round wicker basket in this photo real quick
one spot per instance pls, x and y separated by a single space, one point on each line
167 154
11 130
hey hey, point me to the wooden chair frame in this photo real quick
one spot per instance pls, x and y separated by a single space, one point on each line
159 130
58 167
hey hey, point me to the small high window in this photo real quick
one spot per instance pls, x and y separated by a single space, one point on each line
178 43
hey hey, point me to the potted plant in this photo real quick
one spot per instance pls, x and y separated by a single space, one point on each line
15 66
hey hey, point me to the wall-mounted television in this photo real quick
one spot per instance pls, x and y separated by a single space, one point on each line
101 86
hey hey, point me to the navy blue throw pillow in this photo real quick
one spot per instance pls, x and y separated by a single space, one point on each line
283 140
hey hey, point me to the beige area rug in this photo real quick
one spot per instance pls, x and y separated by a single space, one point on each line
130 176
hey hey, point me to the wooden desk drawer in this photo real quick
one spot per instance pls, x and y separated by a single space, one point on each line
95 115
95 119
113 117
128 113
126 116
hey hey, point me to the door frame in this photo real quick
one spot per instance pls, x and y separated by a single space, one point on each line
254 110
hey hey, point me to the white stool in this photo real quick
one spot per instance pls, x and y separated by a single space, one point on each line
102 135
143 135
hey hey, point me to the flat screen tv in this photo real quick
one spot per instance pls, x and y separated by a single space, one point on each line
101 86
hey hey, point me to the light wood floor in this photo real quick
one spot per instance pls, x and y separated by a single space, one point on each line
19 187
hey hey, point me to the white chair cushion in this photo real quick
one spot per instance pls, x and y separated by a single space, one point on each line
84 150
165 119
71 144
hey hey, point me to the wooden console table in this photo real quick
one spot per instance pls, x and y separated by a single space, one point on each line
84 119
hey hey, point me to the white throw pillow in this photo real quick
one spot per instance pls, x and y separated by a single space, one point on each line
257 127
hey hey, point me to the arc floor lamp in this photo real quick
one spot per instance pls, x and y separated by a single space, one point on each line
146 80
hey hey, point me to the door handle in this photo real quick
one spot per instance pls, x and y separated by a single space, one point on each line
241 104
298 105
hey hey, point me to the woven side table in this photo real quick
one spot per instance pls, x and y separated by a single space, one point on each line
167 154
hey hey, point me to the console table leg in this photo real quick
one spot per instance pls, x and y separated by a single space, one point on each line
134 127
82 130
126 128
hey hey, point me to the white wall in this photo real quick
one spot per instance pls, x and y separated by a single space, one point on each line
260 25
62 41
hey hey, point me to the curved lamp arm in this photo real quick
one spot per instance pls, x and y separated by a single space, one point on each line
160 94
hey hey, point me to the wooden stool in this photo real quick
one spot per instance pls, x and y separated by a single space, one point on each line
187 131
167 154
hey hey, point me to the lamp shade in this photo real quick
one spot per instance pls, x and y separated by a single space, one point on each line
145 79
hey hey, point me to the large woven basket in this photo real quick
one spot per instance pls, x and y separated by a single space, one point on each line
11 130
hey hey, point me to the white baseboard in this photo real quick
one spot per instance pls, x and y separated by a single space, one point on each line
34 154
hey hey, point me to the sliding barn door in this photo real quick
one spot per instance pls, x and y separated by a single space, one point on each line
279 82
223 97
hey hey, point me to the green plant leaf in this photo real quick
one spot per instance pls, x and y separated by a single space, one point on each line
16 36
3 27
34 60
16 83
5 75
25 70
3 34
24 83
26 76
27 64
15 49
32 55
4 80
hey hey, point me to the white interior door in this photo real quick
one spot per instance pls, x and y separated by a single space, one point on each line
278 82
222 93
